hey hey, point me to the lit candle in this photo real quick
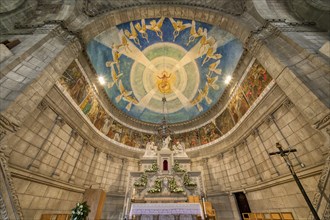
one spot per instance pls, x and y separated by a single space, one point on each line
203 200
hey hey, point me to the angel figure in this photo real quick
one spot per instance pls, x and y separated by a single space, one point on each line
123 92
178 27
156 27
124 43
133 35
211 81
115 58
210 54
202 94
196 34
205 43
115 77
213 68
142 29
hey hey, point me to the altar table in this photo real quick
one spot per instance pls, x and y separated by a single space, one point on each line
166 209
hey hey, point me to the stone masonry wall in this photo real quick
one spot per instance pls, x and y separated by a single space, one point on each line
46 148
247 166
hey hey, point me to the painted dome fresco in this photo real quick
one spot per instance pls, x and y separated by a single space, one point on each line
185 61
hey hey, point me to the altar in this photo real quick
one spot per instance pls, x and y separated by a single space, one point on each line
170 210
160 188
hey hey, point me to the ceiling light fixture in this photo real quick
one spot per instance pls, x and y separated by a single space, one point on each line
101 80
227 80
163 129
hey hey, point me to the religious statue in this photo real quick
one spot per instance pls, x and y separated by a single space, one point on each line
166 142
179 149
151 149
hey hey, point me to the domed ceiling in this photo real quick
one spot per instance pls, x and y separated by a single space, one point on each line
185 61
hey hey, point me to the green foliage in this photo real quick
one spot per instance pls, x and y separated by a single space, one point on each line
142 181
154 168
176 168
157 187
187 181
173 186
80 212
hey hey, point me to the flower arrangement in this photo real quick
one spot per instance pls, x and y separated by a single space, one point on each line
173 186
187 181
157 187
154 168
80 212
176 168
142 181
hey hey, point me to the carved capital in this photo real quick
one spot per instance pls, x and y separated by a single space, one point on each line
43 105
59 121
322 123
74 133
124 161
260 36
6 126
85 143
269 119
220 156
288 104
255 132
109 157
205 161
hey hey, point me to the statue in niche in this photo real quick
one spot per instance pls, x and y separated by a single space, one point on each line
151 149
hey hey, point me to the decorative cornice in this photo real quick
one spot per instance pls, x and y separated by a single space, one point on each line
6 125
235 8
24 174
7 184
57 28
258 37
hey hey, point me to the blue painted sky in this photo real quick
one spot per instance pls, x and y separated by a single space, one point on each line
228 46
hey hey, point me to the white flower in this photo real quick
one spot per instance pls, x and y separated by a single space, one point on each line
81 206
73 212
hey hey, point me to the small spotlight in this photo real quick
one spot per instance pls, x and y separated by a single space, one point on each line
101 80
227 80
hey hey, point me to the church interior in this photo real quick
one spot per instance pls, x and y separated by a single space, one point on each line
163 109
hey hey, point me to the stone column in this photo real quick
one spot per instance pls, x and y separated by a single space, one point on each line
9 203
243 181
227 185
258 177
256 134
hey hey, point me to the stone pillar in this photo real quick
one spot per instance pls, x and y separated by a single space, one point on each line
9 203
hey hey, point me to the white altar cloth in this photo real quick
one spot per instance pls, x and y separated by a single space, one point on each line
166 209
